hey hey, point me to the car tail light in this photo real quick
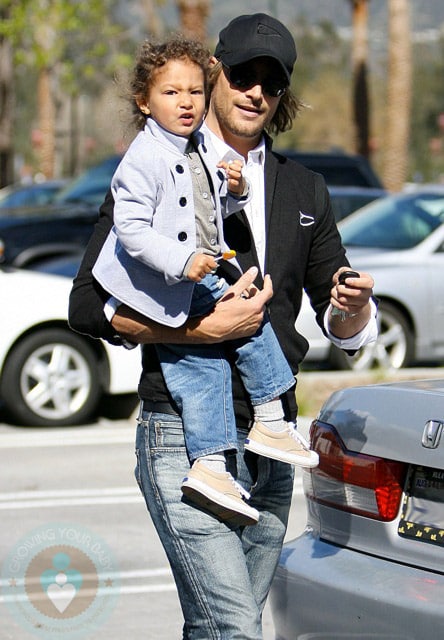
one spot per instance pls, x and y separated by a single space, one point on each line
351 481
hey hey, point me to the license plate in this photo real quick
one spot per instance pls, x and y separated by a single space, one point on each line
422 515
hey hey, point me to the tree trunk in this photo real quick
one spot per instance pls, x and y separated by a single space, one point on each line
153 22
360 73
6 110
193 16
399 92
46 111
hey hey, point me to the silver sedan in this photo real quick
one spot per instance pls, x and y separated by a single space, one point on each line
400 241
370 563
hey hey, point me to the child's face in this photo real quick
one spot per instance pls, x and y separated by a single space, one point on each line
176 98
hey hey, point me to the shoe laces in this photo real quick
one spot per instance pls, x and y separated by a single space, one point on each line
243 492
294 433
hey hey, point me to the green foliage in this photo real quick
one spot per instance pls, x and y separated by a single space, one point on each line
79 45
79 39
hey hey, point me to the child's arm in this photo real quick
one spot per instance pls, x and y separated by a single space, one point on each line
234 317
236 183
237 189
200 266
144 230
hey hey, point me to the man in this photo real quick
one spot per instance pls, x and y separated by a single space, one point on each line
223 574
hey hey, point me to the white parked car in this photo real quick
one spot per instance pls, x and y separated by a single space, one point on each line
49 375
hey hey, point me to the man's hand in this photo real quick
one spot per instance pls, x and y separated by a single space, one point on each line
237 315
352 298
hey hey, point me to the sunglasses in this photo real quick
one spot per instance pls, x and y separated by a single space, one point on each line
243 76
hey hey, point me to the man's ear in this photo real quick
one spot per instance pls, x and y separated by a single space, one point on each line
213 61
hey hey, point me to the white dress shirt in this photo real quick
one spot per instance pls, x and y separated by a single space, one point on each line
255 211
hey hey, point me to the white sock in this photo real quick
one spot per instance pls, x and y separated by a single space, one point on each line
214 461
271 414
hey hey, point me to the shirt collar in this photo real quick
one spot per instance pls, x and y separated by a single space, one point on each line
225 152
257 154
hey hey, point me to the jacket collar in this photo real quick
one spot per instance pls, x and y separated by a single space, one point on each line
165 137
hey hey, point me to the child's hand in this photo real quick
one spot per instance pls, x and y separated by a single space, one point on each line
201 266
235 181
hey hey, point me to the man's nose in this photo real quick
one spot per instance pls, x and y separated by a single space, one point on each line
255 91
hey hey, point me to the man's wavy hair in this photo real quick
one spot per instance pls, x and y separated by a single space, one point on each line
288 108
153 56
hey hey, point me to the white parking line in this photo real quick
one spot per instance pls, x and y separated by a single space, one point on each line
64 437
67 497
81 497
23 495
121 588
101 434
109 591
71 502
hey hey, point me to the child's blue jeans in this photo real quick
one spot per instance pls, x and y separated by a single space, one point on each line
199 377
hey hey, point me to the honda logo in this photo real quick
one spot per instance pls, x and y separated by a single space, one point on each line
432 434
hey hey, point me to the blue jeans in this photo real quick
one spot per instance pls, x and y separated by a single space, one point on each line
199 377
222 574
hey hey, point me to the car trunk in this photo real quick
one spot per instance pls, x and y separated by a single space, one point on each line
380 484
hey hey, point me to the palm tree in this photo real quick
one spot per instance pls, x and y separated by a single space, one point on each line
154 25
399 92
360 73
193 16
6 102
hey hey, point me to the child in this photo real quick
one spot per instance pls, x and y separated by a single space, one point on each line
160 259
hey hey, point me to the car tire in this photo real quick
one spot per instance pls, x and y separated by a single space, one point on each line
393 349
51 378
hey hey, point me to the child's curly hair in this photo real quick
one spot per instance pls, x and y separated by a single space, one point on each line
152 56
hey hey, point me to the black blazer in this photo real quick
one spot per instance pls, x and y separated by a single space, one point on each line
303 252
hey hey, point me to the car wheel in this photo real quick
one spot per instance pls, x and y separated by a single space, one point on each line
393 349
51 378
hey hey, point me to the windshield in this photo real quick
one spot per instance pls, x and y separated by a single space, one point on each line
395 222
30 196
90 187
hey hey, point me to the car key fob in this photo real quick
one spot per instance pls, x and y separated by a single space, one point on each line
347 274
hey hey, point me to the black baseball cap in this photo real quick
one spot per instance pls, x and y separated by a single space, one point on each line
254 36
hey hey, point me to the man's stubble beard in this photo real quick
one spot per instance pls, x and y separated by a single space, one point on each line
237 127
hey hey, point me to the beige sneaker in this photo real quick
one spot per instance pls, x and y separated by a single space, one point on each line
286 446
220 494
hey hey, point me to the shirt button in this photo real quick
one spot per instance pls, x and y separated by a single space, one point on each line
212 242
179 168
182 236
183 202
197 170
205 195
211 219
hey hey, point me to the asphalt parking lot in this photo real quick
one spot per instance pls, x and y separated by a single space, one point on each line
79 482
76 485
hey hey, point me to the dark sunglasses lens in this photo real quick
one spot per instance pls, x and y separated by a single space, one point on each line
243 78
273 89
